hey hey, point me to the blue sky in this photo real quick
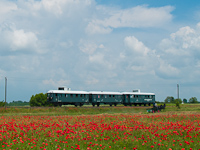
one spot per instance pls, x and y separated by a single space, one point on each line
106 45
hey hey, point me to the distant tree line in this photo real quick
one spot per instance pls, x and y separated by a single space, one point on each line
14 103
170 99
18 103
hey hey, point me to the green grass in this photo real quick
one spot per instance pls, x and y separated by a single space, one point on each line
93 110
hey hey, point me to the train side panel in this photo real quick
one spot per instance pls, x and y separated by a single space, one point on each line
69 97
97 98
130 98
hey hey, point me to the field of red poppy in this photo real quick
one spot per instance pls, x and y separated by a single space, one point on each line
169 130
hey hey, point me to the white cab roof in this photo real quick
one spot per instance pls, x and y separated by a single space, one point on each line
67 92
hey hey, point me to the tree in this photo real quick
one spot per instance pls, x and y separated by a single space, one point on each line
178 100
169 99
184 100
2 104
193 100
39 100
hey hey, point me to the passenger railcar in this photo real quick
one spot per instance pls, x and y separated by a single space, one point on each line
111 98
138 98
64 96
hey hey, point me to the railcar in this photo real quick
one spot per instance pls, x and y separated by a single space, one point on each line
138 98
64 96
111 98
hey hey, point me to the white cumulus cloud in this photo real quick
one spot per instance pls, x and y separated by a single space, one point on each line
139 16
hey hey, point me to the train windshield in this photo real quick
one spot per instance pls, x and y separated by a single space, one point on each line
49 94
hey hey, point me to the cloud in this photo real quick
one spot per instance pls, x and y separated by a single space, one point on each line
135 45
6 9
87 47
147 61
20 40
56 83
136 17
92 81
182 48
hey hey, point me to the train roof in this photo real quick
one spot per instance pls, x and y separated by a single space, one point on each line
138 93
68 92
105 93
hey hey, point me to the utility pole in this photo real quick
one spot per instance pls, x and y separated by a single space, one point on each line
178 91
5 90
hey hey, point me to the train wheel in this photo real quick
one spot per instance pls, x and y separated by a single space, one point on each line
93 104
115 104
98 104
135 104
144 104
139 104
110 104
149 104
81 104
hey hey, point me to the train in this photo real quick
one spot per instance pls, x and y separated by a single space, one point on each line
65 96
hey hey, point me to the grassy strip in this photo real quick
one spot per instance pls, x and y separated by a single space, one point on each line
91 110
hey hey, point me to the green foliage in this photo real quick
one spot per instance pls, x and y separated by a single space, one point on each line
178 104
2 104
184 100
18 103
178 100
39 100
193 100
169 99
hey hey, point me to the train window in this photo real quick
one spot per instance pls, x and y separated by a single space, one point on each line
60 95
126 96
131 96
95 96
101 96
113 95
71 95
84 95
98 96
56 94
66 95
109 95
81 95
76 95
105 96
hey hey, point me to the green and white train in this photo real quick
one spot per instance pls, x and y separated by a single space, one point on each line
65 96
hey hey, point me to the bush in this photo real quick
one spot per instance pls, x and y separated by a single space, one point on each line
2 104
39 100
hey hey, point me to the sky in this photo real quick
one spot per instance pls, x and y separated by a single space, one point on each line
100 45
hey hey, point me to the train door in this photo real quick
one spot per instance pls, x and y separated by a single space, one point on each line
127 99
